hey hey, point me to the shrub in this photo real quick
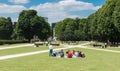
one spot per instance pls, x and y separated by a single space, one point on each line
12 41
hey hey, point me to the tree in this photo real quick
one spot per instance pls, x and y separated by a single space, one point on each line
6 28
41 28
24 23
29 25
59 30
10 26
103 25
65 29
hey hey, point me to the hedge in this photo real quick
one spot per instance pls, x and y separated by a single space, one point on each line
12 41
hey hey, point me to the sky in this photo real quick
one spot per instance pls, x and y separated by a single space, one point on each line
54 10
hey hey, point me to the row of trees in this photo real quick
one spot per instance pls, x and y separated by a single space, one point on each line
29 25
103 25
72 29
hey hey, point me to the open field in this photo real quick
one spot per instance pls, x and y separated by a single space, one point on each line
94 61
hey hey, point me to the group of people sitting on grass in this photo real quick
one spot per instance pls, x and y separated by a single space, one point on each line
74 54
69 54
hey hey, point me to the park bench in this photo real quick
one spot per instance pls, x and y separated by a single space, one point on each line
37 44
55 43
114 45
97 45
100 45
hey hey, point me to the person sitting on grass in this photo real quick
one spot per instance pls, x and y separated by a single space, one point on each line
61 53
69 54
73 52
76 54
83 55
80 54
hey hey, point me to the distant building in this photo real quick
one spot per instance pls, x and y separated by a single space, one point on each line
14 24
53 25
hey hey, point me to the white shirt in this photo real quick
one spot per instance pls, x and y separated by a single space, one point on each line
50 47
76 54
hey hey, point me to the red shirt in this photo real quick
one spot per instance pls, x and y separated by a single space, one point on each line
69 54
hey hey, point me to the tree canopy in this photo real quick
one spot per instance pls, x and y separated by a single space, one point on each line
6 28
30 24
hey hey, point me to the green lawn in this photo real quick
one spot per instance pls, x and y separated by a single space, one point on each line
75 43
114 48
94 61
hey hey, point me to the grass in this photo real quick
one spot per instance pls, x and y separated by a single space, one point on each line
74 43
114 48
23 50
82 42
94 61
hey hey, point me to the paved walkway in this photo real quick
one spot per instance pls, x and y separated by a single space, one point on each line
43 51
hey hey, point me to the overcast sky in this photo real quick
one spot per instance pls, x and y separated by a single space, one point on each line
55 10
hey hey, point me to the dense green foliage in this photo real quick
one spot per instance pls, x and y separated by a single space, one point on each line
11 41
102 25
41 28
5 28
65 29
29 25
106 22
24 26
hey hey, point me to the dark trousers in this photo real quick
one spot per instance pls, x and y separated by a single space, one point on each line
50 52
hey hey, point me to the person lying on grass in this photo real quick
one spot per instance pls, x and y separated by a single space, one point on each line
55 54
